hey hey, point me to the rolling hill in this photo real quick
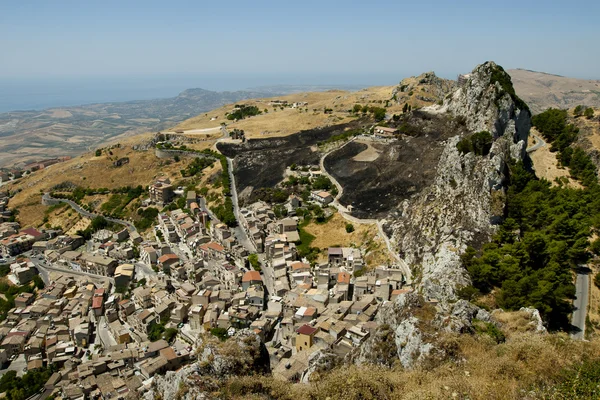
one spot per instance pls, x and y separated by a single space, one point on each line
541 90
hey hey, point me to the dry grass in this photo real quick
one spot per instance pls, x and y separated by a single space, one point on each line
593 329
90 171
333 233
590 128
277 122
526 366
546 165
369 154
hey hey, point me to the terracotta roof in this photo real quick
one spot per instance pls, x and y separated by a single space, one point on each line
335 251
343 277
307 330
251 276
299 265
97 302
212 245
168 353
33 232
168 257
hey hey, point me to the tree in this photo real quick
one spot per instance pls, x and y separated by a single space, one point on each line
170 333
253 260
221 333
357 108
482 142
405 108
578 111
379 113
349 228
38 282
98 153
589 113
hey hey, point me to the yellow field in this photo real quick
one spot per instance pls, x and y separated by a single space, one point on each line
546 165
278 122
333 233
88 170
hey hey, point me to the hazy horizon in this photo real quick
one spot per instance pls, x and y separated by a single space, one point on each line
38 94
71 52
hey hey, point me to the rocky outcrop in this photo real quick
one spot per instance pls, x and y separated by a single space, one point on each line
427 87
243 354
319 362
433 228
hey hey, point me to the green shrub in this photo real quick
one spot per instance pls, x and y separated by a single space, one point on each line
479 143
589 113
349 228
221 333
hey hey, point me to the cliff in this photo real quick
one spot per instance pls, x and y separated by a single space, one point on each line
466 200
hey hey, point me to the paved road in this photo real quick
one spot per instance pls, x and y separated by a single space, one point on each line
345 214
143 271
49 199
539 143
44 269
240 233
106 338
199 131
582 285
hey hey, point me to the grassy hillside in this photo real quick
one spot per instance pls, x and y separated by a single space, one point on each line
541 91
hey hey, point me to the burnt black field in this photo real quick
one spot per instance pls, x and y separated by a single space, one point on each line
404 167
374 188
261 162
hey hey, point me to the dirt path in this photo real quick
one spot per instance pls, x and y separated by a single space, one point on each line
368 155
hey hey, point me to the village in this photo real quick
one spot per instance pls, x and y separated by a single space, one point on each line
110 312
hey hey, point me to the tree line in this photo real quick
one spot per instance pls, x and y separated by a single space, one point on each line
544 235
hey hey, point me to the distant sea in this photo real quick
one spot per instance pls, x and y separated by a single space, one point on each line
37 94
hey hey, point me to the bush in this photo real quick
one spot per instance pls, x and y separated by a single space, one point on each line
221 333
349 228
243 112
597 280
589 113
98 153
479 143
253 260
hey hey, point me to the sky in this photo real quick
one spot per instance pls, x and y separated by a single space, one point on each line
300 42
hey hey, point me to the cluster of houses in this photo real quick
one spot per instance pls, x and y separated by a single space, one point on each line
85 333
7 174
109 339
5 213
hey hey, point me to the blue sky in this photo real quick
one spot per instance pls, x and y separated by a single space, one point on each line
349 41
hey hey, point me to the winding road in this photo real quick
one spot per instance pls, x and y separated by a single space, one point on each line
539 143
346 215
47 199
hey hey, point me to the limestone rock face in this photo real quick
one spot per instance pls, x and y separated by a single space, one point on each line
465 202
536 319
242 354
426 87
401 335
320 361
